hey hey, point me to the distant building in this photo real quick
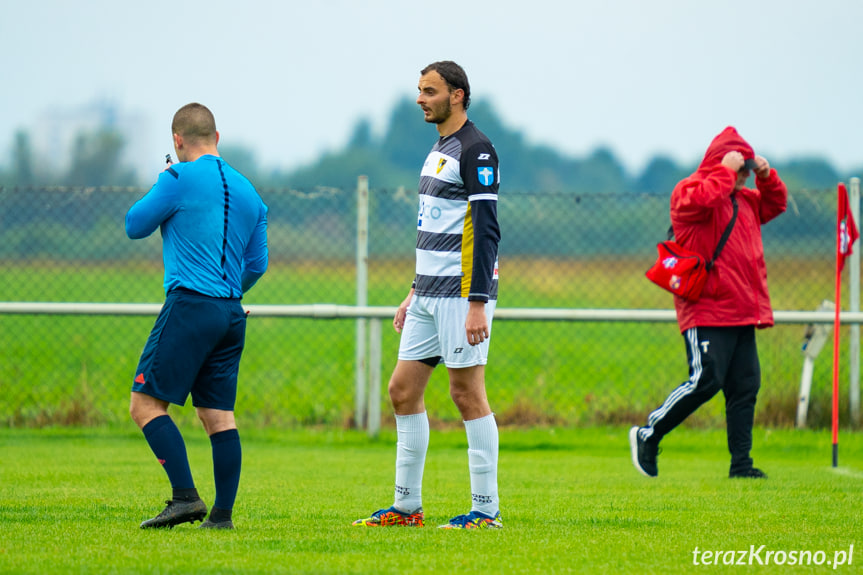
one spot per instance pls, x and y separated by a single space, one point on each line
54 133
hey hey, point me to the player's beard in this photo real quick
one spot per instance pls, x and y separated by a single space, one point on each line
440 114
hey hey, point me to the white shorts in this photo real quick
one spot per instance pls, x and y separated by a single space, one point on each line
434 326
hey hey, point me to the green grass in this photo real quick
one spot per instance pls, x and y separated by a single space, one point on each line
72 500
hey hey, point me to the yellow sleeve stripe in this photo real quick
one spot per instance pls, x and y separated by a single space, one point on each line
467 253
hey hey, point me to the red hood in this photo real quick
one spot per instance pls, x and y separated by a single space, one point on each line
727 141
736 289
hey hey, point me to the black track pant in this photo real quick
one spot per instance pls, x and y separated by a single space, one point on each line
720 358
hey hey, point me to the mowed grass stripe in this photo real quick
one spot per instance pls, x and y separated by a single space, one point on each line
72 501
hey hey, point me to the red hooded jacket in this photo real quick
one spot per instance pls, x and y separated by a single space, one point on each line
736 288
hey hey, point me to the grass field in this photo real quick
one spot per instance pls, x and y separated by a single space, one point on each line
71 502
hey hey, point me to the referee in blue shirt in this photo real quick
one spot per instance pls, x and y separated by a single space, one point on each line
214 234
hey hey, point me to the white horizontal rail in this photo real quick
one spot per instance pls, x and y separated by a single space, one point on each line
337 311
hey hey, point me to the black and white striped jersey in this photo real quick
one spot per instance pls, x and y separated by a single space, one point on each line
457 228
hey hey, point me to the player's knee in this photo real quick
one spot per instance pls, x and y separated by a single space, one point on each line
458 395
466 400
399 394
404 398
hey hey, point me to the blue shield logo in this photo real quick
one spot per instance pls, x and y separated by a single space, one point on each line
485 175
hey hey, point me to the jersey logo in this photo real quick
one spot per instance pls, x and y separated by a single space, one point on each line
484 157
440 164
485 175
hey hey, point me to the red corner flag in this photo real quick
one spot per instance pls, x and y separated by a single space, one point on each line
846 235
847 232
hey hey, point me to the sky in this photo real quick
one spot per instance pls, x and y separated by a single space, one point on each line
290 79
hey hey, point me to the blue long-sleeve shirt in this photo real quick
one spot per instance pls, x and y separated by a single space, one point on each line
213 225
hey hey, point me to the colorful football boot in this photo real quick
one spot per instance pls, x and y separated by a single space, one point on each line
474 520
392 517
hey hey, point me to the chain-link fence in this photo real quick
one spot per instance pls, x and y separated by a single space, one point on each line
558 251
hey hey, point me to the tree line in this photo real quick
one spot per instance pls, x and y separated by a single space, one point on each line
392 160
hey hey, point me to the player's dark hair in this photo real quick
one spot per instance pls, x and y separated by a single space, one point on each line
195 122
454 76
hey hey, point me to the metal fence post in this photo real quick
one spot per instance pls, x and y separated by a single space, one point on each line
374 422
362 299
854 295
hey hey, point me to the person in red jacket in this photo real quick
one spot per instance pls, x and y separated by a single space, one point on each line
719 328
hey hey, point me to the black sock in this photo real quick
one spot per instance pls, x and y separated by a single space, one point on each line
218 515
186 494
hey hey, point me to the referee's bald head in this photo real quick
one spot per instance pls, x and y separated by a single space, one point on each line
195 123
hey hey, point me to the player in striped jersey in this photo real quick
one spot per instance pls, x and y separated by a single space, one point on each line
447 315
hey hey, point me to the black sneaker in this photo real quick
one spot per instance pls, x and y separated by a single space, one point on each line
751 473
178 512
207 524
643 454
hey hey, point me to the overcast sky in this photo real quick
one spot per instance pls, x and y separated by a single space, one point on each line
290 79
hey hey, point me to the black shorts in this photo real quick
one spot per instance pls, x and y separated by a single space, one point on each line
194 348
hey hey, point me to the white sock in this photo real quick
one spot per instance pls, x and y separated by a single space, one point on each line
482 441
413 443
